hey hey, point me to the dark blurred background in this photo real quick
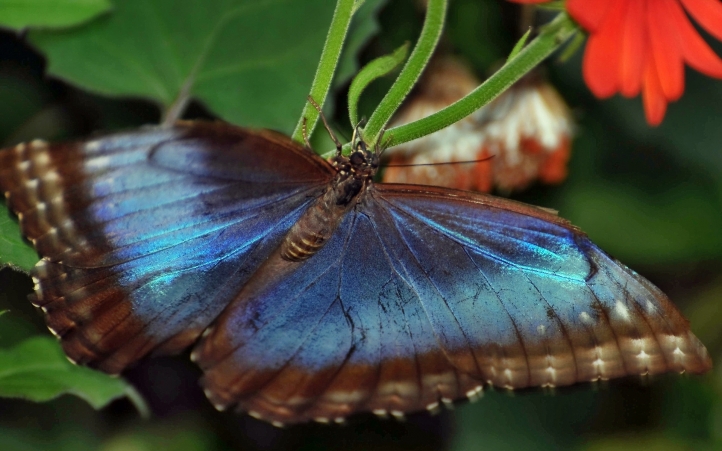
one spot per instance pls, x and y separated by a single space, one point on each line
650 197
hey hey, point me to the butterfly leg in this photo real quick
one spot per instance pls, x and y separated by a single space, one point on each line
325 124
305 134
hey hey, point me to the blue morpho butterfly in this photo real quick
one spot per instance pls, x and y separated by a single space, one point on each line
317 292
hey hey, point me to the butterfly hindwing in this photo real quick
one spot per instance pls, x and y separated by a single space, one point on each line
147 236
337 334
539 303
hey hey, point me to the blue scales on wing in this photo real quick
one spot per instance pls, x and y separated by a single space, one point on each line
422 296
146 236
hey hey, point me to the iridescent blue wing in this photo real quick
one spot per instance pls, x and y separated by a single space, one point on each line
146 236
422 296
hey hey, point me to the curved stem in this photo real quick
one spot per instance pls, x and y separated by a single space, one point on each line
552 36
430 34
326 66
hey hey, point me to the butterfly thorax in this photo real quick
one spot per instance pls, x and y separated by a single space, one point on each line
354 175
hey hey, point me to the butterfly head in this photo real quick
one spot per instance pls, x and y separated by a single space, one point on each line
362 164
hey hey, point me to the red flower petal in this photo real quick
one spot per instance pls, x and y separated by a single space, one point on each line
666 54
634 48
601 65
695 50
708 13
590 14
655 105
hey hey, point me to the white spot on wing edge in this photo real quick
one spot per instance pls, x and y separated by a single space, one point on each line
622 311
92 146
448 403
650 306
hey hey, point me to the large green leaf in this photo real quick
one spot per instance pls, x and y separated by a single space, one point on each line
13 250
251 62
49 13
37 369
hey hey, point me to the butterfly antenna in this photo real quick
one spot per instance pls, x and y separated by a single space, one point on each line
325 124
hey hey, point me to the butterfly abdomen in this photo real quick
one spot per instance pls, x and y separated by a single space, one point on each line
318 223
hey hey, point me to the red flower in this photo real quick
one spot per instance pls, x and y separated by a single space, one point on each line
642 46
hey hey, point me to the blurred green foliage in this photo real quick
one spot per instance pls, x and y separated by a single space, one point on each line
13 250
49 13
37 369
651 197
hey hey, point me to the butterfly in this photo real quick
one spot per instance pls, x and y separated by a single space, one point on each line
311 292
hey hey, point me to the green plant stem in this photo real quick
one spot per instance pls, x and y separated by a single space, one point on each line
430 34
552 36
377 68
326 66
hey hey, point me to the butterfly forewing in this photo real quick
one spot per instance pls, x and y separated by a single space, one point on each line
146 236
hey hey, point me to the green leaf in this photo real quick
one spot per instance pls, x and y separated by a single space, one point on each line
50 13
250 62
37 369
377 68
13 250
